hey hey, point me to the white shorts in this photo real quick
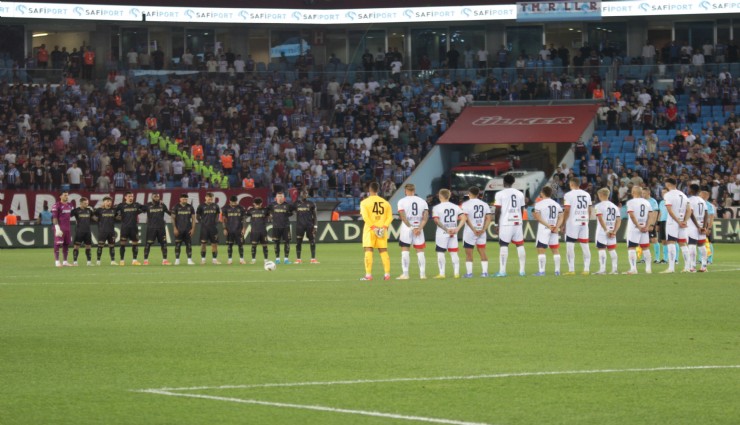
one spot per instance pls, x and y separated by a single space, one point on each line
695 235
406 237
470 239
635 237
577 233
445 241
547 238
602 241
675 233
511 234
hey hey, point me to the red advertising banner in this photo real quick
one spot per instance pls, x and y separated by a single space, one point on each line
28 204
510 125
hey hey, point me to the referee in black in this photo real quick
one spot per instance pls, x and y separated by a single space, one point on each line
280 213
208 217
306 225
232 216
155 231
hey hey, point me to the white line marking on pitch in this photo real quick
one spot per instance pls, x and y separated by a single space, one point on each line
446 378
318 408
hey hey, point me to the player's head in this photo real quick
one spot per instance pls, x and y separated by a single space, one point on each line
473 192
64 196
704 195
646 193
604 193
84 202
574 183
233 200
304 194
373 188
546 192
183 198
257 202
209 198
636 192
509 180
280 197
129 197
693 189
155 198
444 195
107 202
670 183
410 189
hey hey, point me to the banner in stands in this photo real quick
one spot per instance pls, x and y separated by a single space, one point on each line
511 125
28 205
327 232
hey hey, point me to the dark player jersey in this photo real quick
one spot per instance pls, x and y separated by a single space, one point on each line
183 216
234 218
106 220
259 218
208 215
281 214
129 213
155 215
83 217
305 213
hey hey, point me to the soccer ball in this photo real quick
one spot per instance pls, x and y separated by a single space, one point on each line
270 266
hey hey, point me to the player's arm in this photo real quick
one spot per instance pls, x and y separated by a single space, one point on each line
173 216
602 222
496 215
387 215
402 216
538 217
560 221
486 223
689 215
55 221
192 222
693 217
652 218
462 218
617 225
199 213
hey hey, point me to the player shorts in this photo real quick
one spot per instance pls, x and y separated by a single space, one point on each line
511 234
156 235
307 231
106 237
661 231
258 236
676 233
370 240
577 233
547 238
653 234
406 237
183 236
65 239
695 236
234 238
208 235
604 242
130 233
281 234
470 240
636 238
445 242
83 238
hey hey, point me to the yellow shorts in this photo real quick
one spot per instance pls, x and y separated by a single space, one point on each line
369 240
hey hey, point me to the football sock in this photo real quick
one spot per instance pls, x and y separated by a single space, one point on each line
602 260
484 266
368 263
692 256
56 252
522 258
147 248
455 263
189 251
703 255
88 254
672 256
386 259
99 252
135 250
312 245
541 262
570 255
469 267
298 246
586 256
422 260
665 252
685 255
203 253
229 250
556 260
615 258
632 256
112 253
647 256
178 247
405 261
122 252
214 253
657 250
241 251
277 249
441 263
503 257
265 251
75 253
254 251
65 252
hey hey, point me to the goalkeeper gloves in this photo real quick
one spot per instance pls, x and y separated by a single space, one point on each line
379 231
58 231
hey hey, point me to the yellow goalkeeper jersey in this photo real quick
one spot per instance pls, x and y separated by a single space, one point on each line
376 211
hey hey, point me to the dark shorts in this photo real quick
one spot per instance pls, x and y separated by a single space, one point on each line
130 234
281 234
208 235
662 236
258 236
184 236
156 235
234 238
83 238
107 237
308 231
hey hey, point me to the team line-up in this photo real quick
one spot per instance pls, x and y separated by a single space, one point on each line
683 220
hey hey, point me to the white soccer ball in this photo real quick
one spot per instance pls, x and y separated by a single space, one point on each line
270 266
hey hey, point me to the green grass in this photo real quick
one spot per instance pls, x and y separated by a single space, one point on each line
75 342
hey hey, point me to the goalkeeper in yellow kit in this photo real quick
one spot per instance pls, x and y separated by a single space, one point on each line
377 214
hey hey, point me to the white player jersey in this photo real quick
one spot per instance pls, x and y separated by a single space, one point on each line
510 201
641 209
699 210
578 200
548 210
447 213
676 201
476 211
414 207
609 212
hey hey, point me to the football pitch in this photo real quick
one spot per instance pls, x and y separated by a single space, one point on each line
311 344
